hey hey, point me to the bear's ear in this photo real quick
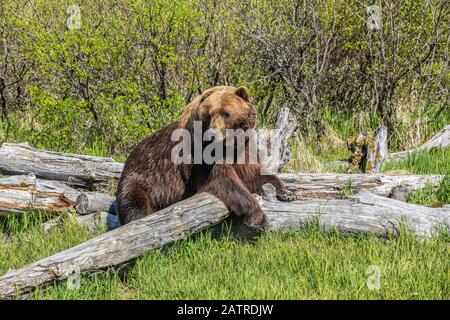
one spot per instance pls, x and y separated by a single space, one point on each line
205 95
243 93
190 112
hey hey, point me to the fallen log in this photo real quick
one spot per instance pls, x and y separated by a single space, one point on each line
363 212
74 169
438 141
92 221
331 185
324 186
91 202
286 219
314 185
19 193
118 246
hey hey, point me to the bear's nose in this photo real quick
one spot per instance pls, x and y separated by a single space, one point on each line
218 124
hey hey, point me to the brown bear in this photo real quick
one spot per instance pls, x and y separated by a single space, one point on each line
151 181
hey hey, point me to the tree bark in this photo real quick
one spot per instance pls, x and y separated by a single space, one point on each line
91 202
378 152
363 212
18 193
74 169
332 185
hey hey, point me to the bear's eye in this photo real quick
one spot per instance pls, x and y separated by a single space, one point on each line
225 114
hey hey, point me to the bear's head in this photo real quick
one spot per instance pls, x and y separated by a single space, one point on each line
221 108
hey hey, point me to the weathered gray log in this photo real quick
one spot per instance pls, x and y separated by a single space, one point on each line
95 221
314 185
363 212
77 170
18 193
92 221
90 202
331 185
438 141
118 246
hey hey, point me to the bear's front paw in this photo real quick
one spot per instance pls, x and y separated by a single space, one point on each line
286 196
257 222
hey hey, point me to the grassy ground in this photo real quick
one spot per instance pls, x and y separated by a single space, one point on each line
309 264
306 264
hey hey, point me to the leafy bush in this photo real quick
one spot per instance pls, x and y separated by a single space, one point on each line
132 66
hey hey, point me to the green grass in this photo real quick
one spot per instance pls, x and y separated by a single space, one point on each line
22 239
423 162
307 264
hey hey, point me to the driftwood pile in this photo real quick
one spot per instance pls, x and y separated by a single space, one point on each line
55 181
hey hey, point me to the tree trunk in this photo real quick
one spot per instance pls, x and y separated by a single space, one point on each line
74 169
91 202
377 152
314 185
364 212
369 150
332 185
277 142
18 193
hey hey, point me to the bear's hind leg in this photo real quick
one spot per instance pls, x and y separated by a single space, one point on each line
133 205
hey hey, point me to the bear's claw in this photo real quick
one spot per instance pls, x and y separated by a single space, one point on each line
264 225
286 196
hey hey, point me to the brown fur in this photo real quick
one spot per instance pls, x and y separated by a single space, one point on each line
151 181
